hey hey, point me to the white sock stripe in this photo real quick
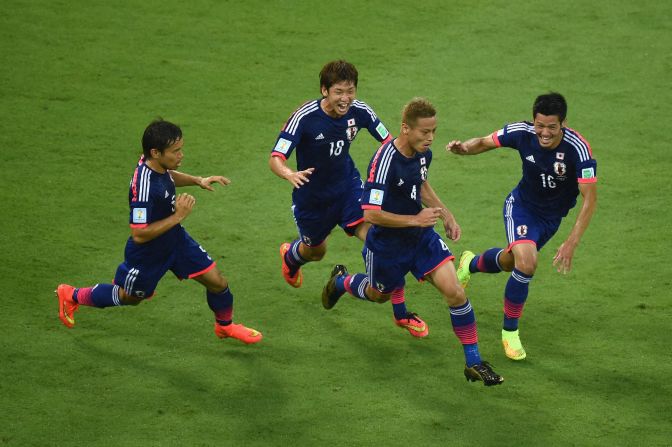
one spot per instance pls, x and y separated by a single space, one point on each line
497 259
461 311
520 278
362 287
115 296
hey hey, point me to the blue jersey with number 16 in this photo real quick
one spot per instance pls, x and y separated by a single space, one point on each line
550 176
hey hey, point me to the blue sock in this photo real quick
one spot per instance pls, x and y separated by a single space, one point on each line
463 320
105 295
515 295
471 355
486 262
356 285
222 305
399 304
293 257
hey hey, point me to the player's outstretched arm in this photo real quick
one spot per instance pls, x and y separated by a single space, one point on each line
432 200
184 203
296 178
563 258
472 146
425 218
182 179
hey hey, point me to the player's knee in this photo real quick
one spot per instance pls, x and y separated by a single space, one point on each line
315 254
129 300
527 265
377 296
454 295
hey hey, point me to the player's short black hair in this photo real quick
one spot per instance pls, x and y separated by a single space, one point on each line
337 71
550 104
159 135
415 109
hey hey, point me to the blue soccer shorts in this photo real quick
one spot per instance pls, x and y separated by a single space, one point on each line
138 275
314 223
522 225
388 267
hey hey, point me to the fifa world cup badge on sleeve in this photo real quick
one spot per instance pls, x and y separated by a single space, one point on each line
587 173
376 197
282 146
382 131
139 215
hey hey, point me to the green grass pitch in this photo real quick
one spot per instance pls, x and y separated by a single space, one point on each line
80 80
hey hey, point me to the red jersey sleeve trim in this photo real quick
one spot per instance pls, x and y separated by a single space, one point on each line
139 225
587 180
495 139
372 207
278 154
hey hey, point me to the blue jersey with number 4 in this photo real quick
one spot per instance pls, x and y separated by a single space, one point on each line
550 176
323 142
393 184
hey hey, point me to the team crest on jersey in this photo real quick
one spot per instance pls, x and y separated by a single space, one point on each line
351 133
560 168
423 173
521 230
560 155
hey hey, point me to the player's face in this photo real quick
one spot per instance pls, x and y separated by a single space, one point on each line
338 98
421 135
172 155
548 129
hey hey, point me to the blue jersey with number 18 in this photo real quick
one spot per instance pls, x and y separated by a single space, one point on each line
550 176
323 142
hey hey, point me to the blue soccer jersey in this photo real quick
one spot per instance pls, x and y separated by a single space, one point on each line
393 184
550 176
323 142
151 197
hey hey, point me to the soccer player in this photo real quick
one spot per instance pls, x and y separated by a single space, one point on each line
558 164
327 185
402 237
158 242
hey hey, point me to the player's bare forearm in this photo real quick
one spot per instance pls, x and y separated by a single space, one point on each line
154 230
563 258
182 179
431 199
184 203
588 206
297 179
472 146
425 218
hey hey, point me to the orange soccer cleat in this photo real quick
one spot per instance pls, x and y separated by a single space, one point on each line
66 304
245 334
297 279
